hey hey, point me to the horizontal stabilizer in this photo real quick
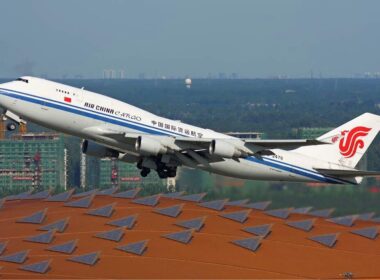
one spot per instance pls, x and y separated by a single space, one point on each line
348 172
273 144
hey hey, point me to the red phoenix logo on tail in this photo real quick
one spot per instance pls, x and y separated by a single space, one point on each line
351 140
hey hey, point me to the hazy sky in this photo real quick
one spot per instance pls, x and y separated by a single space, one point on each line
252 38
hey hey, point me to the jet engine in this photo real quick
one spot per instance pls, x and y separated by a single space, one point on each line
223 149
96 150
149 147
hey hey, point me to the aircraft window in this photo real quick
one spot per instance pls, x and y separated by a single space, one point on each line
22 80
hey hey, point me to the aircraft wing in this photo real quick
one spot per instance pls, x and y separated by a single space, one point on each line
179 143
348 172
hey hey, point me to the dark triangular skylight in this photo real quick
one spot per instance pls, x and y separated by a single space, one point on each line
89 259
193 197
262 205
171 211
104 211
35 218
137 248
322 213
148 200
328 240
127 222
81 203
112 235
214 204
87 193
18 196
181 236
66 248
260 230
366 216
305 225
61 197
196 223
45 238
251 244
238 216
302 210
108 191
38 267
369 232
173 194
3 246
39 195
59 225
347 221
237 202
279 213
18 257
127 194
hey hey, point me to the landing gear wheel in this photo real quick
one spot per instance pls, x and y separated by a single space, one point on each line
144 172
172 173
11 126
162 174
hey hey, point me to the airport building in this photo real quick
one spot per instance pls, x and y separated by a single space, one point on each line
310 132
247 135
32 160
107 172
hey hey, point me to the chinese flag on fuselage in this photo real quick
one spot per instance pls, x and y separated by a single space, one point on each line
67 99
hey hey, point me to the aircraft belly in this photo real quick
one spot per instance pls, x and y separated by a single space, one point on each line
252 170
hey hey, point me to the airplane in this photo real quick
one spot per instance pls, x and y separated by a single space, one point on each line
112 128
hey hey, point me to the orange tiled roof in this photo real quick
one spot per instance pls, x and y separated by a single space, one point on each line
215 251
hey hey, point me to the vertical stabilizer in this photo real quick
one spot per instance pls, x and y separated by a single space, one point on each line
348 142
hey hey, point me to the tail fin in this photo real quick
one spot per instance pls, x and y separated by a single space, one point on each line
349 141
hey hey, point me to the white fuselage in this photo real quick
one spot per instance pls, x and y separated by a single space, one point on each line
86 114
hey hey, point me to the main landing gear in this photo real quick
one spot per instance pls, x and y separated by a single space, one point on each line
163 171
144 171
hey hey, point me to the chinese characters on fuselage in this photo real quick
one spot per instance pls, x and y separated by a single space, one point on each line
178 129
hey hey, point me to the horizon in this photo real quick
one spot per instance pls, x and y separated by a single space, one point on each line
216 38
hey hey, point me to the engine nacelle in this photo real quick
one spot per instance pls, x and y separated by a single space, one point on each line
147 146
96 150
223 149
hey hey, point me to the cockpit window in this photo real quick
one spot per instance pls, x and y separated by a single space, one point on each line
22 80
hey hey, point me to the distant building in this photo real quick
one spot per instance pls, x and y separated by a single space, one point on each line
106 172
109 74
310 132
122 74
35 160
222 76
247 135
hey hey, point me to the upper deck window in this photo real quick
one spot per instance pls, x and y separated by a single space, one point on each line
22 80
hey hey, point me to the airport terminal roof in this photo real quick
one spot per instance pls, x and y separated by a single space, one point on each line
121 235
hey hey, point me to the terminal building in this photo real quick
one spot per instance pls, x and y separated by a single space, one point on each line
108 172
32 160
310 132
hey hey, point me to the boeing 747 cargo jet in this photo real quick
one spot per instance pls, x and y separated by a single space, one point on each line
111 128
